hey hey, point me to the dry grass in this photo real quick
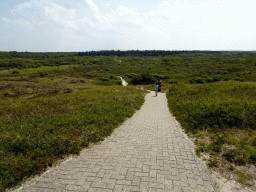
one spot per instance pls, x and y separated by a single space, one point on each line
29 88
229 171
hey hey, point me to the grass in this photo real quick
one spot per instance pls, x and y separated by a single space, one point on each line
52 82
48 111
221 118
37 70
38 131
49 114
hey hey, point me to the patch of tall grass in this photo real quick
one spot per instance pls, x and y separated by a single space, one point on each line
215 106
38 131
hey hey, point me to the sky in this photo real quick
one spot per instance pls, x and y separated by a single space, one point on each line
85 25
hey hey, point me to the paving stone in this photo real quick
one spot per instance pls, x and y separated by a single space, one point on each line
73 187
143 187
118 188
148 152
31 189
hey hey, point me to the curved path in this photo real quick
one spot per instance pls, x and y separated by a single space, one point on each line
149 152
124 83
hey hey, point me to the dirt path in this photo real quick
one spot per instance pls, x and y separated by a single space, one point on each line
149 152
124 83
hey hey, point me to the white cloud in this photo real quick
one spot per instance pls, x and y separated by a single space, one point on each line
168 24
54 12
44 11
93 6
19 23
26 5
6 20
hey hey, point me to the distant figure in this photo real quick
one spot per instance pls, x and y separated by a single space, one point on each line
159 83
156 88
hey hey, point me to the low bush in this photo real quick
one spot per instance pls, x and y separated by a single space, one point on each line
199 106
103 79
141 79
206 79
173 81
118 82
15 72
217 78
161 76
43 73
238 79
36 132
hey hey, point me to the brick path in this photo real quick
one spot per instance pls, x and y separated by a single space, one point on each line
149 152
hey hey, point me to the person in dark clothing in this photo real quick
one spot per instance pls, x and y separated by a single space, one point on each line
159 83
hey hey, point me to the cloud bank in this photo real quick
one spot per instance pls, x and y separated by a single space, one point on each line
44 25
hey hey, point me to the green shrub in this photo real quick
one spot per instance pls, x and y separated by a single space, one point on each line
43 73
15 72
208 79
243 177
198 80
173 81
142 79
230 155
47 128
161 76
130 75
254 142
202 147
238 79
118 82
103 79
214 162
198 109
217 78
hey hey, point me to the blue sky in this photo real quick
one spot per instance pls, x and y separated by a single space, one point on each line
83 25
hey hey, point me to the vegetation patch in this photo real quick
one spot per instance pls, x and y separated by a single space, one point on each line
36 132
141 79
221 119
212 94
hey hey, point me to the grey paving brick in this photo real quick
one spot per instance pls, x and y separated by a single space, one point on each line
73 187
177 188
99 184
118 188
31 189
110 183
143 186
129 176
103 190
148 152
86 186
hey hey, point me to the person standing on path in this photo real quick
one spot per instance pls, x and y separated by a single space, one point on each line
156 88
159 83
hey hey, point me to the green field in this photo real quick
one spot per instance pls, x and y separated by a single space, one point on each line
54 104
35 70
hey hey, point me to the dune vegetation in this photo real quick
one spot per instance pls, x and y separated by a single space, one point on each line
55 104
